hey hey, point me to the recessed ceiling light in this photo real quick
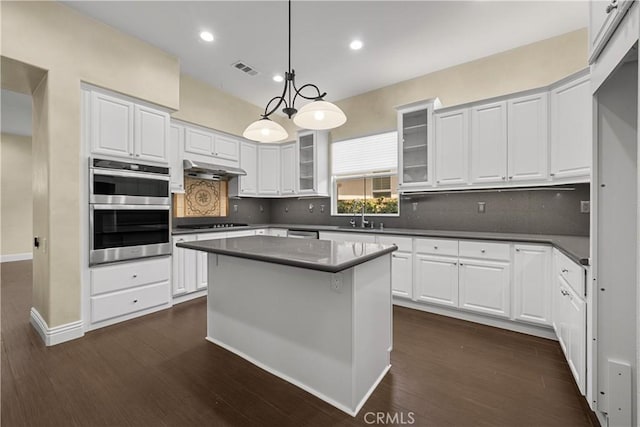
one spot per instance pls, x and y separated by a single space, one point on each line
206 36
356 45
278 78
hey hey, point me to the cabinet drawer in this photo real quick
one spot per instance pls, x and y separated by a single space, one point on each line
116 304
437 247
127 275
241 233
404 244
484 250
570 271
211 236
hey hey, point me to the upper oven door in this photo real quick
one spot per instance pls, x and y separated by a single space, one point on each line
125 187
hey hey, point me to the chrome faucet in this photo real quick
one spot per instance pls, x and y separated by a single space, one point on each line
364 222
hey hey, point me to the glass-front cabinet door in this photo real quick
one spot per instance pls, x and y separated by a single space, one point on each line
306 162
414 145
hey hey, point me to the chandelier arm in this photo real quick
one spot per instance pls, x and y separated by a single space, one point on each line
314 98
281 98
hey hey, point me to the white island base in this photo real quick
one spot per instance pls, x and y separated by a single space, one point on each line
327 333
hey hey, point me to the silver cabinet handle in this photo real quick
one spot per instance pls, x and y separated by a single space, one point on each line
135 276
482 251
563 292
564 270
511 177
504 177
435 247
517 249
552 174
135 301
611 6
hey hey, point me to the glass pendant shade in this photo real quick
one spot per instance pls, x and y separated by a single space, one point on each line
319 115
265 130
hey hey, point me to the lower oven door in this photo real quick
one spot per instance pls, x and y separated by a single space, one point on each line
121 232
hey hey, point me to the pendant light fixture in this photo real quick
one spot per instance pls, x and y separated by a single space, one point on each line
316 115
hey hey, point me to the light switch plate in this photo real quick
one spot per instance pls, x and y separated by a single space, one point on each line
585 206
482 207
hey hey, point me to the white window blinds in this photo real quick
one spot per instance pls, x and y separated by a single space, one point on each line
359 156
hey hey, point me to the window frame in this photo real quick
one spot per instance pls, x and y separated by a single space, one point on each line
334 193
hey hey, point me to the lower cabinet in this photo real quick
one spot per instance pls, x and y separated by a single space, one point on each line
570 317
485 286
184 267
532 284
124 290
437 279
402 274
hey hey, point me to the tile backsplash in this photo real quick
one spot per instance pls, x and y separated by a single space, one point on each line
551 210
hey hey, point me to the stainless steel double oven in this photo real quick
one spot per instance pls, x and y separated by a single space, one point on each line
129 211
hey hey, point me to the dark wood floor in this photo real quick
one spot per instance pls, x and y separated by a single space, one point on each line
159 371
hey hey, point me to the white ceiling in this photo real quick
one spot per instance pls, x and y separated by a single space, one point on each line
15 113
402 39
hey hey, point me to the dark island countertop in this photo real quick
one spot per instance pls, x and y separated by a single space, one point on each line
575 247
321 255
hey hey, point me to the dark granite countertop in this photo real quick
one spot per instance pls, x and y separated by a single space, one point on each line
322 255
575 247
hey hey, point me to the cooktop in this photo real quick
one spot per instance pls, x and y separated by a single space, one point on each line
206 226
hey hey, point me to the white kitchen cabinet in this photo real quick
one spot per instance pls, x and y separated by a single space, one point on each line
569 321
414 145
202 278
603 19
313 163
532 283
484 286
204 142
268 170
401 264
124 290
528 139
151 140
184 266
451 147
437 279
226 148
122 128
176 147
571 130
288 169
111 125
198 141
488 152
249 162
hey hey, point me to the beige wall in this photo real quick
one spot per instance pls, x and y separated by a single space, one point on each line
207 106
16 200
72 48
526 67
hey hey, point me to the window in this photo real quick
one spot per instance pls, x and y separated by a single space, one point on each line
365 175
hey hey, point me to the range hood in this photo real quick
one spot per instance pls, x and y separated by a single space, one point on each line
210 171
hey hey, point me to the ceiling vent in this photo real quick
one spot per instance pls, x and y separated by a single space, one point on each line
247 69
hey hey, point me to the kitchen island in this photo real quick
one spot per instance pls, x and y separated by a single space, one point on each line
316 313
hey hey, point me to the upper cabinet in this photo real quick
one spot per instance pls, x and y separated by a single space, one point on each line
604 17
269 170
214 146
313 163
488 152
414 145
452 142
122 128
176 148
538 137
571 130
288 169
246 185
527 140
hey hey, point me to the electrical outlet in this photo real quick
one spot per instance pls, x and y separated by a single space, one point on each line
482 207
321 208
585 206
286 209
336 283
235 208
311 207
414 205
261 208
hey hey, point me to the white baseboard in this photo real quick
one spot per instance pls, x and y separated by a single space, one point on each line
511 325
16 257
57 334
188 297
